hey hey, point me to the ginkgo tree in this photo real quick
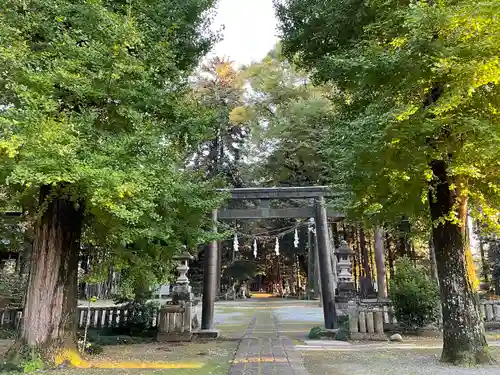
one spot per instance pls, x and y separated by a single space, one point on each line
94 124
418 123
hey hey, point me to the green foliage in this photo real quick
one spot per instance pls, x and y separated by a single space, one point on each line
343 333
415 83
12 287
139 319
107 337
290 116
218 86
315 333
94 100
242 270
33 365
93 349
7 334
414 295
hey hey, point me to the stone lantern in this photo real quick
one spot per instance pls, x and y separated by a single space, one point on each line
346 288
182 289
178 319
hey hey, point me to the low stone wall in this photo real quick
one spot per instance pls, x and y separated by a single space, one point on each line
490 311
372 319
367 323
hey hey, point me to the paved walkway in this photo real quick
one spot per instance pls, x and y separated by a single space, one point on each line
264 349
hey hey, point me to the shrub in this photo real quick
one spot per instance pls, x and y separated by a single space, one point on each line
140 317
33 365
315 333
414 295
12 287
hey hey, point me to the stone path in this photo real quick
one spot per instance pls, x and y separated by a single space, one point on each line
341 346
264 350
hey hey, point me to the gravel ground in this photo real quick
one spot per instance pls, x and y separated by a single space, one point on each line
388 362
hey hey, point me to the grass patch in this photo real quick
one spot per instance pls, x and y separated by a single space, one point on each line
206 358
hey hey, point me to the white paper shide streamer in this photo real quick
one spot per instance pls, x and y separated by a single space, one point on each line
255 248
236 246
296 238
277 247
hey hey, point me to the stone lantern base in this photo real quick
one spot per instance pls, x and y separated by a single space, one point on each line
346 292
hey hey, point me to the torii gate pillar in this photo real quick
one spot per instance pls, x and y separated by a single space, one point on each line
325 265
210 276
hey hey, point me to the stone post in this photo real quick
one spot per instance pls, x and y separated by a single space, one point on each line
489 312
362 322
353 317
496 310
370 326
378 317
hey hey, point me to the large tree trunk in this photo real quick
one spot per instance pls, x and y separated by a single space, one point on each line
380 262
463 337
49 321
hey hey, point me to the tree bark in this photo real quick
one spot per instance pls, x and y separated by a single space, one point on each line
371 255
390 254
464 341
380 262
404 244
365 257
484 262
49 319
432 258
356 266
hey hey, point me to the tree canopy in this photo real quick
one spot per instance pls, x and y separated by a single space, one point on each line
93 96
95 124
417 123
417 81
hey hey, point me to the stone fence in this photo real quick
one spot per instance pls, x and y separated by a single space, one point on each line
371 319
175 321
97 317
171 319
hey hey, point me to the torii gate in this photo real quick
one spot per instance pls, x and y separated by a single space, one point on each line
318 210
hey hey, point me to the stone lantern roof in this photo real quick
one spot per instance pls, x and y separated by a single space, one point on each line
344 249
183 256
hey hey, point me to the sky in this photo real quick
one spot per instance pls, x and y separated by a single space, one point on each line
250 29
